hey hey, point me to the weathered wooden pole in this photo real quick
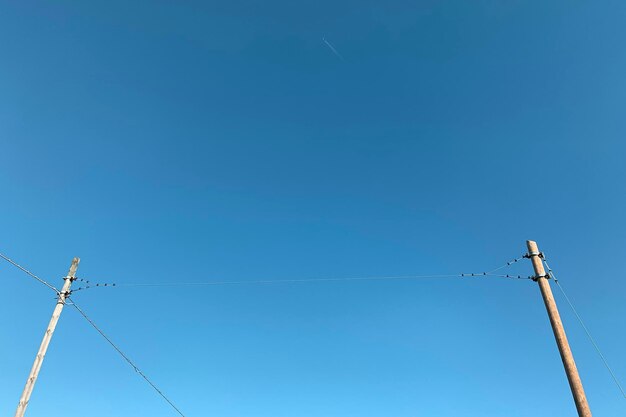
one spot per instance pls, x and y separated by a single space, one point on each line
34 372
571 371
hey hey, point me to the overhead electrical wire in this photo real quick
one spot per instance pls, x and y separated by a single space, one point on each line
126 358
511 262
489 273
582 324
89 284
305 280
300 280
15 264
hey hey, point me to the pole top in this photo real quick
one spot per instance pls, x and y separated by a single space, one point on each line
72 272
532 246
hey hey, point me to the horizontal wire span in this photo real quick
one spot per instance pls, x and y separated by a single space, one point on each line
305 280
90 285
283 281
126 358
15 264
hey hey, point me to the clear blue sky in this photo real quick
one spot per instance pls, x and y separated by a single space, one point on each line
162 141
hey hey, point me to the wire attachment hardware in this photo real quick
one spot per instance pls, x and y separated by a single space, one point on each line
536 277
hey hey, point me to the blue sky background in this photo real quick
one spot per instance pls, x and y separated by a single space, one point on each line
163 142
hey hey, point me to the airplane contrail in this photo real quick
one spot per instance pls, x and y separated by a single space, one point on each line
332 48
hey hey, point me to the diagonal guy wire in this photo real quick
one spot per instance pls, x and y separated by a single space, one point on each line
126 358
29 273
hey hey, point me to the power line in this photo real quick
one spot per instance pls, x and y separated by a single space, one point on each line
285 281
126 358
306 280
29 273
511 262
580 320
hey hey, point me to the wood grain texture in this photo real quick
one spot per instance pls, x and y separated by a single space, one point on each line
576 385
56 314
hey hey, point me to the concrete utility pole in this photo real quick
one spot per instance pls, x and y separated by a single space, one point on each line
575 383
34 372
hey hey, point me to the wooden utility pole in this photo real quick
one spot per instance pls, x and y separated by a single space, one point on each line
575 383
34 372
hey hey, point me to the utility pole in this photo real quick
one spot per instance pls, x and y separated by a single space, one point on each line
573 378
34 372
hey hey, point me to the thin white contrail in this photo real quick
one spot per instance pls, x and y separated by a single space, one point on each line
332 48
